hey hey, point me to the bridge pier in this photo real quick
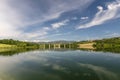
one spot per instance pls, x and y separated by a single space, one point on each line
49 46
69 45
57 46
64 46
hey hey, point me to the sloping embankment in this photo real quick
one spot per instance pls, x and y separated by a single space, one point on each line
86 46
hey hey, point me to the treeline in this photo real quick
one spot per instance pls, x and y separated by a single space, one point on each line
19 44
111 44
42 45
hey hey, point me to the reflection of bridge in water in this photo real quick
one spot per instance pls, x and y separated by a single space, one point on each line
56 46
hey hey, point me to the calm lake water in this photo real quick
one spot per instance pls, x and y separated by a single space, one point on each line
60 65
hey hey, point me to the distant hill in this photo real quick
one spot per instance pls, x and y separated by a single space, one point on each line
57 42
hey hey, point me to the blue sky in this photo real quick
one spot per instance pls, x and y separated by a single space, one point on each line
50 20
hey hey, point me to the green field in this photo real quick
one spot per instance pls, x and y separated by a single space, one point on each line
7 46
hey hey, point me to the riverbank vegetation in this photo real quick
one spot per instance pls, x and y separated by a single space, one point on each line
106 45
111 44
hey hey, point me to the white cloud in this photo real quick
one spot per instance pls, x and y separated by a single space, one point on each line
17 15
39 34
102 15
57 8
115 34
59 24
83 18
112 34
100 8
9 21
74 18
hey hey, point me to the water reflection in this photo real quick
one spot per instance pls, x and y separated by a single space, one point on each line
57 65
101 72
11 52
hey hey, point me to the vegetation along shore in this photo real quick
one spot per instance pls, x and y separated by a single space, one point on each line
109 44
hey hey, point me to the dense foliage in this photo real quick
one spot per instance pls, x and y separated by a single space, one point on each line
111 44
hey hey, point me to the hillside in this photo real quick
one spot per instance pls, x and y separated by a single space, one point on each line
111 44
8 43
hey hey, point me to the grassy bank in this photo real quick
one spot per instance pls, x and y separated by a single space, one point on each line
10 43
7 46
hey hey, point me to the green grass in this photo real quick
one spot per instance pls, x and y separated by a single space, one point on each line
7 46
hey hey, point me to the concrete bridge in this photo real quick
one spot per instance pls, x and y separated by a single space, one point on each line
56 46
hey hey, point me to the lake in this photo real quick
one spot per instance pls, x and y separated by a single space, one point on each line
60 65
